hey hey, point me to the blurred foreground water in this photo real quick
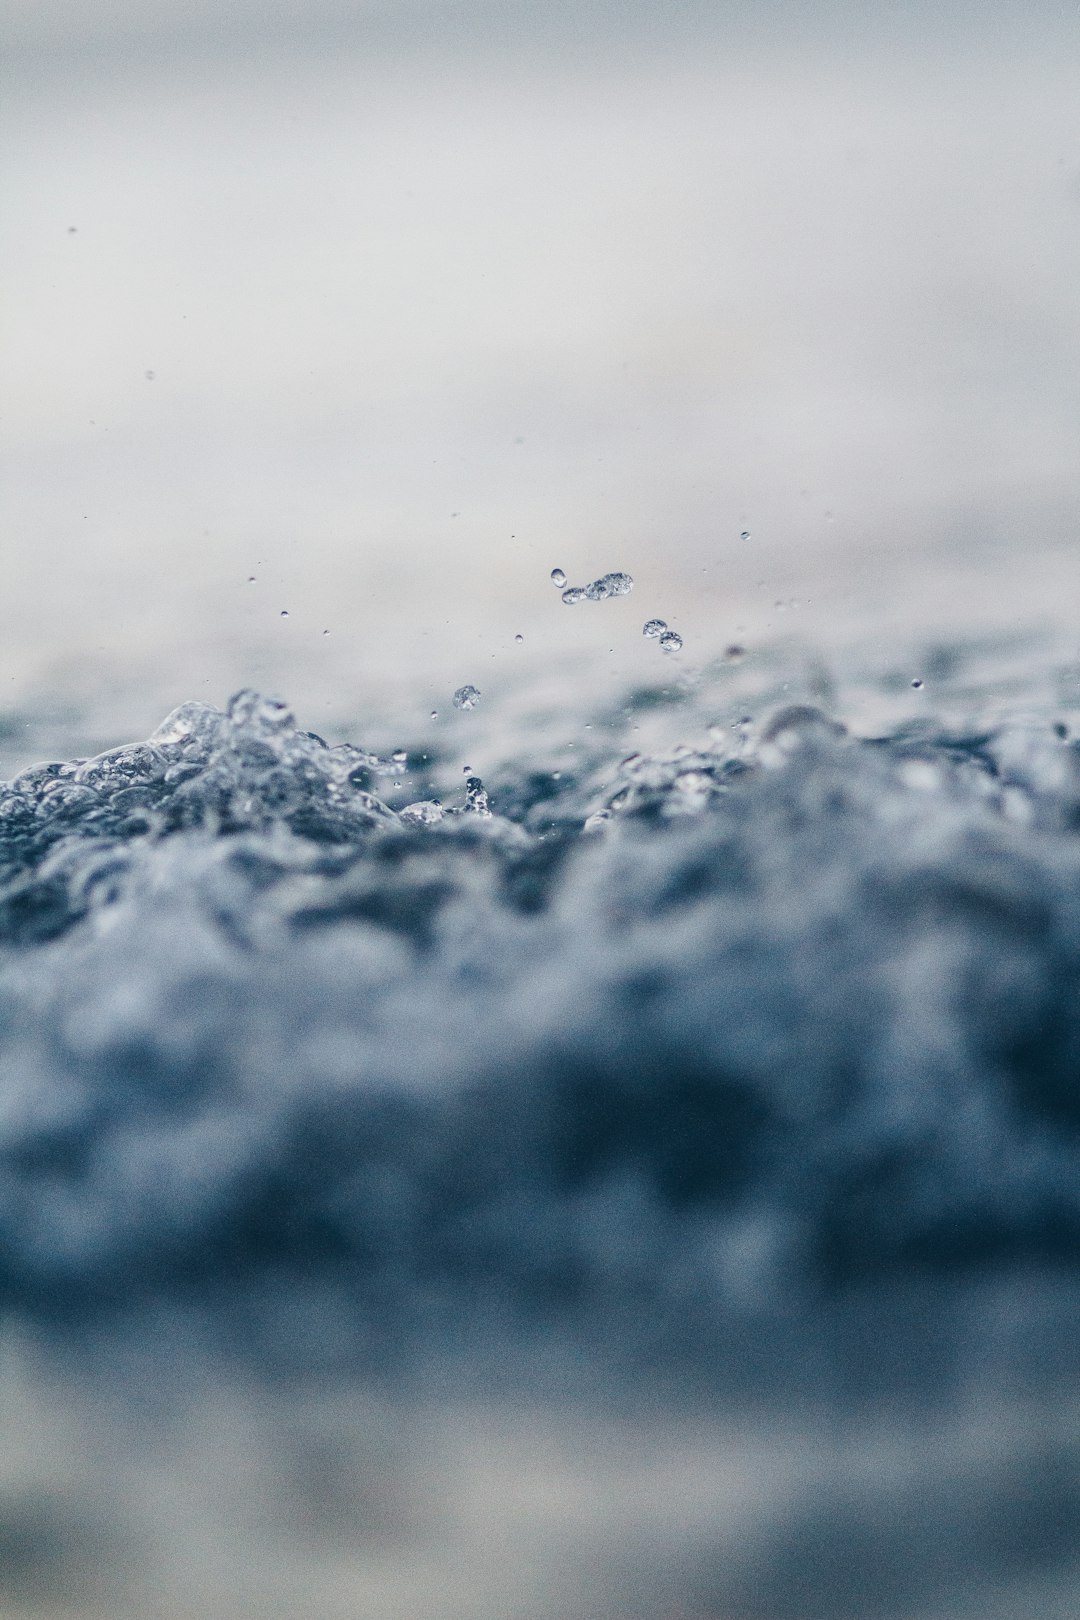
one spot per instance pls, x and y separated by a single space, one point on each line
602 1154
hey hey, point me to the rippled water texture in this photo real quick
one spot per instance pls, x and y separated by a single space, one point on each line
664 1164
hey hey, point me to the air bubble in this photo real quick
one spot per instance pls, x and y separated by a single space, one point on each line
671 641
654 627
466 697
558 578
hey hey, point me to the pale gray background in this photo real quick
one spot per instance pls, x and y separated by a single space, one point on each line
438 296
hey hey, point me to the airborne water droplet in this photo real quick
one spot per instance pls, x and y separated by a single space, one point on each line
558 578
671 641
745 535
917 685
519 638
654 627
573 595
466 697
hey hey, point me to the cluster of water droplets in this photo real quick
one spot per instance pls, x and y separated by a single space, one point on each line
657 630
608 585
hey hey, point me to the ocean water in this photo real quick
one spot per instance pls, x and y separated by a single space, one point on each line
638 1181
504 1116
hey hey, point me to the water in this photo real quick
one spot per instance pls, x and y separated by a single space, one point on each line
731 1079
609 1154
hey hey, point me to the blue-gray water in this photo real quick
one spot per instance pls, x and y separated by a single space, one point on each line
654 1199
643 1182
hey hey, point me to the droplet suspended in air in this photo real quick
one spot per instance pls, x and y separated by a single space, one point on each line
519 638
558 578
654 627
573 594
466 697
284 613
671 641
745 535
617 584
917 684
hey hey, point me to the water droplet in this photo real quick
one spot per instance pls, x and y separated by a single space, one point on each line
284 613
573 595
917 684
434 714
745 535
467 769
519 638
400 757
558 578
466 697
617 584
654 627
734 654
251 579
671 641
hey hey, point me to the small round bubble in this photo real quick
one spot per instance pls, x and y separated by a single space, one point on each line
558 578
466 697
654 627
671 641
